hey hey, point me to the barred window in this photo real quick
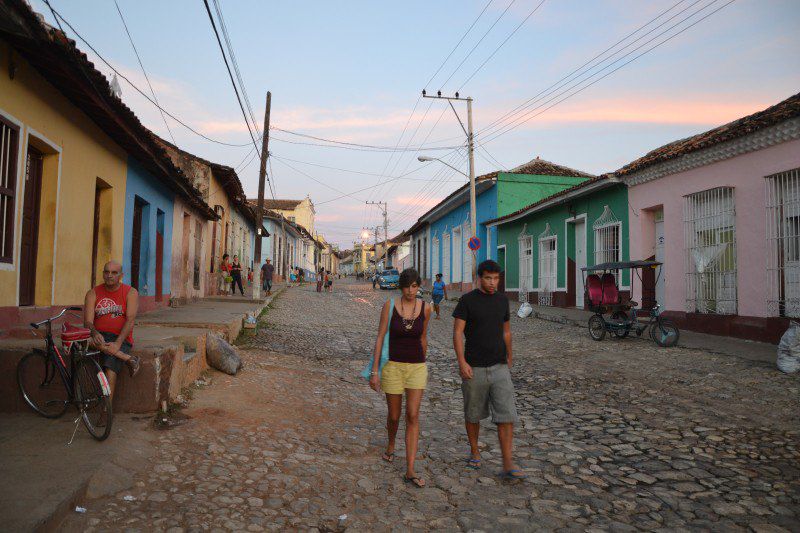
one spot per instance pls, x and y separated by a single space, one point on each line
435 257
525 262
783 243
9 136
710 238
548 265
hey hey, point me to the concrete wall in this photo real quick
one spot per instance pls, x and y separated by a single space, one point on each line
157 217
746 173
184 251
76 155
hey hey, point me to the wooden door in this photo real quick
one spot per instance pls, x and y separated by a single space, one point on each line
30 227
136 242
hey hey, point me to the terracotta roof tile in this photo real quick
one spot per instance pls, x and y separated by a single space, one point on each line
785 110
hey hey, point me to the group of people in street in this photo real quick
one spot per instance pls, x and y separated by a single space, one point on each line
231 272
324 281
481 318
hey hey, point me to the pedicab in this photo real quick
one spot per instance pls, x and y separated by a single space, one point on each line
618 314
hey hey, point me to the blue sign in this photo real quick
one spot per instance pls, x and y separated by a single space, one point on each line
474 244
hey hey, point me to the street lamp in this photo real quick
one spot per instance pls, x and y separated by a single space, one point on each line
425 158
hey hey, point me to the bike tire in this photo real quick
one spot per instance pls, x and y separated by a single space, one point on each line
597 327
93 403
621 332
41 385
665 333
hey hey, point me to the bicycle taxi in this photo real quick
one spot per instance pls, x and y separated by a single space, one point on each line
618 314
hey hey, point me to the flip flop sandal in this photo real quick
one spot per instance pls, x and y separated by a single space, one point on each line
134 363
417 482
511 475
473 464
388 457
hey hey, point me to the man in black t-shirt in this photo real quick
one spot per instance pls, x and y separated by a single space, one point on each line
482 317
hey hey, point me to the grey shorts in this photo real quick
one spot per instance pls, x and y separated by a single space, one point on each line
115 364
490 391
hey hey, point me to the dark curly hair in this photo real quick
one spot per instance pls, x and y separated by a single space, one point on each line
408 277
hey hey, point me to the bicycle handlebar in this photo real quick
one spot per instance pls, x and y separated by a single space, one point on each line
59 315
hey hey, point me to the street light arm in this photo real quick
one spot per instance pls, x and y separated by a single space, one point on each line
423 159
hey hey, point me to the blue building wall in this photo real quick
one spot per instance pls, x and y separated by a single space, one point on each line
157 214
486 209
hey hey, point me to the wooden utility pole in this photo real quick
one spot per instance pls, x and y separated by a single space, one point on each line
262 175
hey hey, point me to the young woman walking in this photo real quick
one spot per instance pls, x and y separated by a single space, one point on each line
406 323
236 275
439 292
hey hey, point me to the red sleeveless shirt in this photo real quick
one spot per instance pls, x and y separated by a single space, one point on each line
110 309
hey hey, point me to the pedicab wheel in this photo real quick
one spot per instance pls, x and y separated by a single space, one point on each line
665 333
597 327
622 331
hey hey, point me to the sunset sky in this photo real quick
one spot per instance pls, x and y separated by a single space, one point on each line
353 72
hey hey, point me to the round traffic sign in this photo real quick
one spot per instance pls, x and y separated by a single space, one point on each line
474 244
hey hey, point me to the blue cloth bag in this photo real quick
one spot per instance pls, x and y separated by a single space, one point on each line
384 352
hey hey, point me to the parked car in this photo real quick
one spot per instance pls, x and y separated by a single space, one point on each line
389 279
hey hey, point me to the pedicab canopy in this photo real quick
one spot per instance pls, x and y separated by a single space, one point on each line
619 265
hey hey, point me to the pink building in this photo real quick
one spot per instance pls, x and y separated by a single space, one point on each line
721 210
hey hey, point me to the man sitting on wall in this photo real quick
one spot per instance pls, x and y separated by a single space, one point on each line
109 311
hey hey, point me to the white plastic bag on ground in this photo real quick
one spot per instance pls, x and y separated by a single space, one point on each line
789 349
221 355
525 310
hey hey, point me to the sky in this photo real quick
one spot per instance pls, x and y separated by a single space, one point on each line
353 72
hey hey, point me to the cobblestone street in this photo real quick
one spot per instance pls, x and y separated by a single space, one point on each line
619 435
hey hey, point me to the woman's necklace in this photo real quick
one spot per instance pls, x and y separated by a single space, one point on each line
407 323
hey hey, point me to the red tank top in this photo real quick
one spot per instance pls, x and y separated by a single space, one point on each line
110 309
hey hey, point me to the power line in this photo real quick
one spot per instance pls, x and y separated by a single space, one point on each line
402 176
230 75
357 145
478 43
460 41
57 16
146 77
588 64
312 178
528 116
359 149
535 9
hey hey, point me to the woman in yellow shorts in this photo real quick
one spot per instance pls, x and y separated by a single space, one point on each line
405 372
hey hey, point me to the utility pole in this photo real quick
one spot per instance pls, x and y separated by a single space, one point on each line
262 174
471 148
384 207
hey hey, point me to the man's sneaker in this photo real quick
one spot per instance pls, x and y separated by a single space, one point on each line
133 365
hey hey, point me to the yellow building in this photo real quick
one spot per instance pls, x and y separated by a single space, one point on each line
300 212
65 141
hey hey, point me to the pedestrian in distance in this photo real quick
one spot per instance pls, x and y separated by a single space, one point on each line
224 274
267 271
482 317
320 279
406 323
438 293
236 276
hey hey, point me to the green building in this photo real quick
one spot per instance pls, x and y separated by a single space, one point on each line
542 247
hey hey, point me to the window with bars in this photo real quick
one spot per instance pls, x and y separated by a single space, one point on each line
710 239
525 262
435 257
9 137
547 264
783 243
198 248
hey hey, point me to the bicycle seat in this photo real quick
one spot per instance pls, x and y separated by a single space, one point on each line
70 333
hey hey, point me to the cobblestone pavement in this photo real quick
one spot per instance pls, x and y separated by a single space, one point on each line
617 435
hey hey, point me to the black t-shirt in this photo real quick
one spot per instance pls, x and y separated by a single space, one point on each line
485 315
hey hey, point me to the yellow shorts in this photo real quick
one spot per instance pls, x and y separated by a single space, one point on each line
397 377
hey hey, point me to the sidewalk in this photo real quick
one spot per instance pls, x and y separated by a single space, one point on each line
750 350
44 476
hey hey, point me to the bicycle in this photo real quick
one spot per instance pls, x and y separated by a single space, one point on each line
82 382
662 331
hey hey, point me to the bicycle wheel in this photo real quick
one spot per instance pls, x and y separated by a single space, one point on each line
664 333
597 327
41 385
93 402
622 331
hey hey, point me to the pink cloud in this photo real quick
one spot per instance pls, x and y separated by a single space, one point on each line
416 202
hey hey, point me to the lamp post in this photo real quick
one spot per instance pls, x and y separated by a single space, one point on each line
471 148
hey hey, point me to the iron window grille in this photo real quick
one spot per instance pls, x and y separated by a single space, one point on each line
607 237
434 257
548 265
446 257
783 243
710 239
525 263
